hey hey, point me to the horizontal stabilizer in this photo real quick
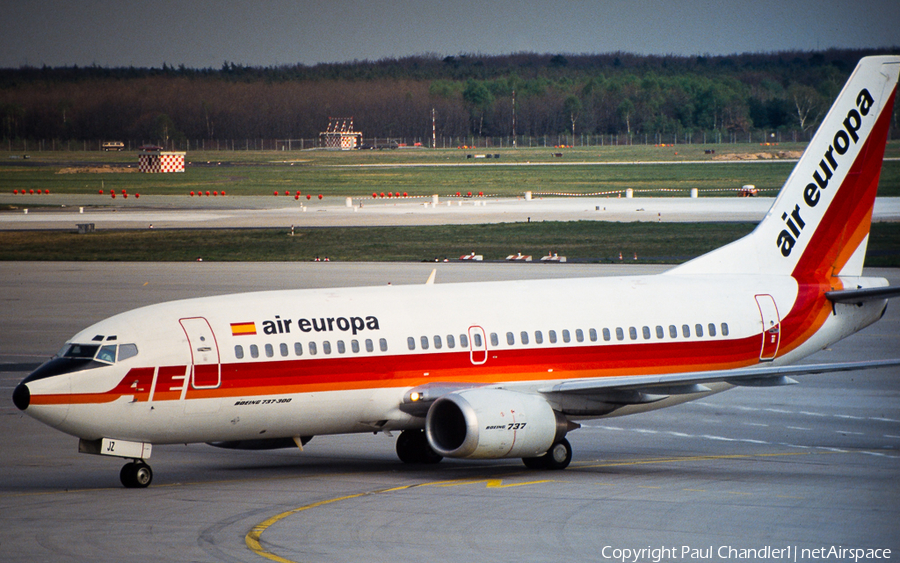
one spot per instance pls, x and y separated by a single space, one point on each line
863 294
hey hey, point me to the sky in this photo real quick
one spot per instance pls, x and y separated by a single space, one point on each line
206 33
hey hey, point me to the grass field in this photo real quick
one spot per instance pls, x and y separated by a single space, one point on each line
361 173
580 241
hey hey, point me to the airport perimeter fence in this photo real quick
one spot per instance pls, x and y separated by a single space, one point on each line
441 142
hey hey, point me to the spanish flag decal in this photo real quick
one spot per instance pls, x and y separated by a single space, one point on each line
243 329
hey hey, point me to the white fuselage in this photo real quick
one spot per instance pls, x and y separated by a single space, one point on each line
306 362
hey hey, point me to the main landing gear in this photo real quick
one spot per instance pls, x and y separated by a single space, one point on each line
136 475
557 457
413 447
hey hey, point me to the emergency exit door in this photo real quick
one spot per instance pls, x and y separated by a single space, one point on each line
477 345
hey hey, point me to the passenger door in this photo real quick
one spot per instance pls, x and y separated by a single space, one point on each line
206 373
771 327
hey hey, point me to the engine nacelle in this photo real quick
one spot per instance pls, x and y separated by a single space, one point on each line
492 423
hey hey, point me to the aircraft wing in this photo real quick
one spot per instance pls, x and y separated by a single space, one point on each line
693 382
602 395
862 295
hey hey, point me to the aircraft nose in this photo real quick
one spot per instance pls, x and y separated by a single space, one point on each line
21 396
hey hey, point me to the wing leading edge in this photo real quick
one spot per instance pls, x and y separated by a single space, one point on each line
603 396
747 377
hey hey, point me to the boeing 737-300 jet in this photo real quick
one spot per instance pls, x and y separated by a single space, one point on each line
496 369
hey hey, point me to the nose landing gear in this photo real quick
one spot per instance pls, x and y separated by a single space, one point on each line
136 475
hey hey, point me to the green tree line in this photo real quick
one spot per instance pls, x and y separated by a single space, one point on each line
471 95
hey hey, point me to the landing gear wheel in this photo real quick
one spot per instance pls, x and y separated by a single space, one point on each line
136 475
557 457
413 447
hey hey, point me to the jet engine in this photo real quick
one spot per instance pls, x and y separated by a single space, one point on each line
493 423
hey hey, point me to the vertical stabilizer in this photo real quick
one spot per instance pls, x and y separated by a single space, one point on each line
818 225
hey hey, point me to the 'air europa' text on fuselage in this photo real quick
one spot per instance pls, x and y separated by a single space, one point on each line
322 324
787 238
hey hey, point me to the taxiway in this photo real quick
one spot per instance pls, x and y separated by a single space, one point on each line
804 467
284 211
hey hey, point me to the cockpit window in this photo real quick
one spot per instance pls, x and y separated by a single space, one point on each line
127 351
81 351
80 357
107 354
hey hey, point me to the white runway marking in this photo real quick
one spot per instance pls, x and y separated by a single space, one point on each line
803 413
714 437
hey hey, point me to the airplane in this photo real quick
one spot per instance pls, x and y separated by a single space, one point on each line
493 370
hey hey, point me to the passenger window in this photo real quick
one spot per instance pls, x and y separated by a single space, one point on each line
437 342
552 335
606 336
127 351
565 335
645 331
254 351
239 351
495 340
538 337
477 338
298 349
712 329
340 347
354 345
382 343
699 329
510 338
686 331
411 343
424 341
312 349
523 337
283 348
369 346
660 333
451 342
620 334
579 335
326 347
724 329
632 332
593 334
463 341
673 331
270 351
